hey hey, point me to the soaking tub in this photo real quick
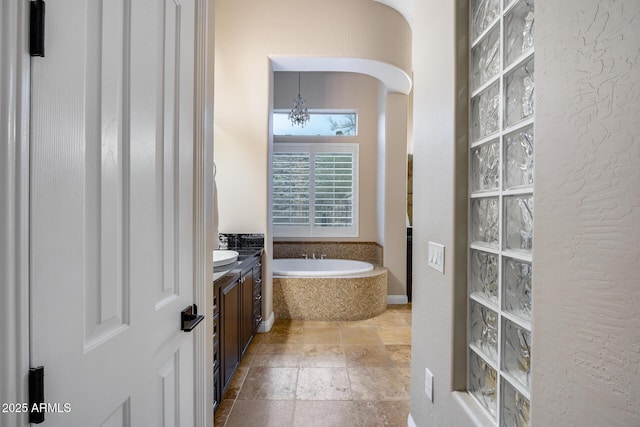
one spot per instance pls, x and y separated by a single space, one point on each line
328 289
302 267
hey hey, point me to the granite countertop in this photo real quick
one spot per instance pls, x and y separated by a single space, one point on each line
228 273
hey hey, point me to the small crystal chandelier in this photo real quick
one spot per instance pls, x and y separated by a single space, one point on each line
299 114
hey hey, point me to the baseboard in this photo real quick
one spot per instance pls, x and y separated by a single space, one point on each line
397 299
266 325
410 422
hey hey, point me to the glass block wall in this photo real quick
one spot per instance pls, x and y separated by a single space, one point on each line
501 207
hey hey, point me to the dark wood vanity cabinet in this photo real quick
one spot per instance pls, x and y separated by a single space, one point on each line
240 313
230 313
217 383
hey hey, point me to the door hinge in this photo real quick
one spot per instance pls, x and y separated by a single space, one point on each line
36 28
36 395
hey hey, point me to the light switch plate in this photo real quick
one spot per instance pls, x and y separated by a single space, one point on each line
436 256
428 384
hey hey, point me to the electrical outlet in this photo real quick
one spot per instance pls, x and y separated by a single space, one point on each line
428 384
436 256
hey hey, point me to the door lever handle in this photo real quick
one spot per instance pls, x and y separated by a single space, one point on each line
189 318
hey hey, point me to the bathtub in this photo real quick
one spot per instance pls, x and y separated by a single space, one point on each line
301 267
328 289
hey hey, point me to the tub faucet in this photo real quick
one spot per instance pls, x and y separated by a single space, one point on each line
313 255
322 256
305 256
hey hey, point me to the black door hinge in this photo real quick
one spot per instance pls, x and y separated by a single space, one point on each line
36 28
36 395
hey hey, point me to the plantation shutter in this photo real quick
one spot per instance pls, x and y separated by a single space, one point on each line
291 189
333 179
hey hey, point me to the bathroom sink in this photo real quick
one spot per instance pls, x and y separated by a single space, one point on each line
224 257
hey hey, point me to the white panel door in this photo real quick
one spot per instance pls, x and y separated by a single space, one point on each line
112 212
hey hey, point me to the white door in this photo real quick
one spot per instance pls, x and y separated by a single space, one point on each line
112 212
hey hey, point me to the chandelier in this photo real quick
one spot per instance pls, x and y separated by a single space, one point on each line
299 114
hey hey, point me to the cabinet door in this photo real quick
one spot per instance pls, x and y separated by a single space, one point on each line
230 334
246 310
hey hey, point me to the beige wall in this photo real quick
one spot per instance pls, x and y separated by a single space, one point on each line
395 194
439 210
342 91
586 288
247 34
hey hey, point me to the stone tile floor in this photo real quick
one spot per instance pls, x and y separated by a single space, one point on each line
334 374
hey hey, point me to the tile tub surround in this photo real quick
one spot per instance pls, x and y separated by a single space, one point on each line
361 251
354 297
336 373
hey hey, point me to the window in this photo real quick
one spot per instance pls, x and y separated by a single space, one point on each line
321 123
501 207
315 189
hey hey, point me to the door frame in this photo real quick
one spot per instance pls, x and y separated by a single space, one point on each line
15 209
14 206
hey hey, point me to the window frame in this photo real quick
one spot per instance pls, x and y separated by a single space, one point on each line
312 230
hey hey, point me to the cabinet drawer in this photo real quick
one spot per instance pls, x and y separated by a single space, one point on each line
216 355
216 302
216 327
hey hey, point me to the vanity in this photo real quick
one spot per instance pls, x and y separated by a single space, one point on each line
237 308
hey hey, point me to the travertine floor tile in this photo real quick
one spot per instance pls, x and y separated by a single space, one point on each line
322 413
317 373
362 356
323 384
269 383
322 336
290 348
322 356
281 360
365 335
308 324
236 382
379 383
397 336
262 413
222 412
382 413
400 355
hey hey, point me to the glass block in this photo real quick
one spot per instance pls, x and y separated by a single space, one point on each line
483 383
519 222
516 352
485 112
484 275
484 221
485 59
517 288
519 93
519 158
484 12
515 407
484 167
519 30
484 329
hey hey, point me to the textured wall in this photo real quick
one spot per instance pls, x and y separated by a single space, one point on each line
586 285
439 208
586 340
